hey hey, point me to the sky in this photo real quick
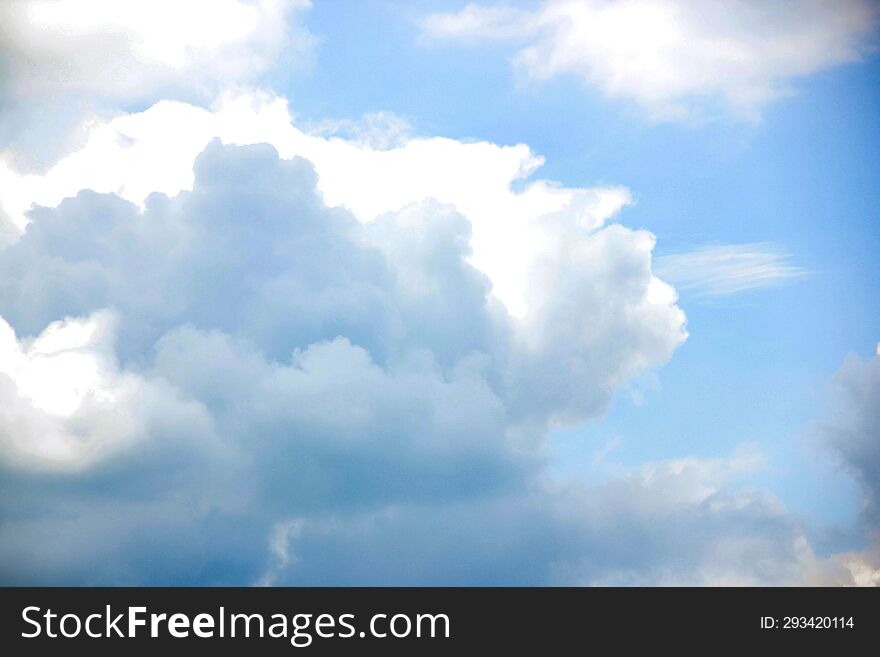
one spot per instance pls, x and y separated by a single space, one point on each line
542 293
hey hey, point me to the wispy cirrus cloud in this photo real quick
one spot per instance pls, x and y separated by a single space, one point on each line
716 271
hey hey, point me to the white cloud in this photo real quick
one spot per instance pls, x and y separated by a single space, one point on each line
136 154
60 367
269 345
63 64
9 231
276 372
131 49
299 352
714 271
65 406
865 571
593 306
675 56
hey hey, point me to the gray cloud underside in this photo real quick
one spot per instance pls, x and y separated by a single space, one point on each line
853 430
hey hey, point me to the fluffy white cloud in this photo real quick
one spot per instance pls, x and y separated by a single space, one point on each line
672 56
293 355
280 387
714 271
63 64
136 154
66 406
130 49
218 365
594 307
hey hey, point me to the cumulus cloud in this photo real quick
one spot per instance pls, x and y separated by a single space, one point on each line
136 154
851 434
853 431
394 282
714 271
302 361
239 383
674 56
234 351
67 406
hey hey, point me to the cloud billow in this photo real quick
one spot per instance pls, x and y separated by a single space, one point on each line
241 354
853 430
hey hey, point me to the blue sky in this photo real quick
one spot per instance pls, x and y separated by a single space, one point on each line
498 362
